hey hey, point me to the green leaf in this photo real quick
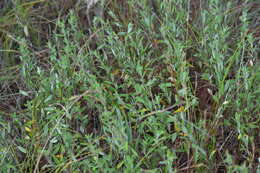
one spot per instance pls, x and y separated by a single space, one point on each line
24 93
23 150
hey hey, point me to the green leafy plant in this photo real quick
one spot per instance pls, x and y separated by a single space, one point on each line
146 87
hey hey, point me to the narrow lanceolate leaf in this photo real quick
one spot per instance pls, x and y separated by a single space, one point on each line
24 93
23 150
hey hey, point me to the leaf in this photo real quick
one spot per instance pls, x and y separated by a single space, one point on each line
27 129
212 154
120 164
116 72
180 109
176 127
54 140
21 149
183 134
59 156
26 32
144 110
24 93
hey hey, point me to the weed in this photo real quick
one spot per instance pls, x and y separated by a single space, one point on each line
144 87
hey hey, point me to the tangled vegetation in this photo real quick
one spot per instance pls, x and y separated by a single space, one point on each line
129 86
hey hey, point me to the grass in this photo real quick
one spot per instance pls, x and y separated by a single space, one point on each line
144 87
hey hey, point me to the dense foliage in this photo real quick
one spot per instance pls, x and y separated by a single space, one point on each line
129 86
